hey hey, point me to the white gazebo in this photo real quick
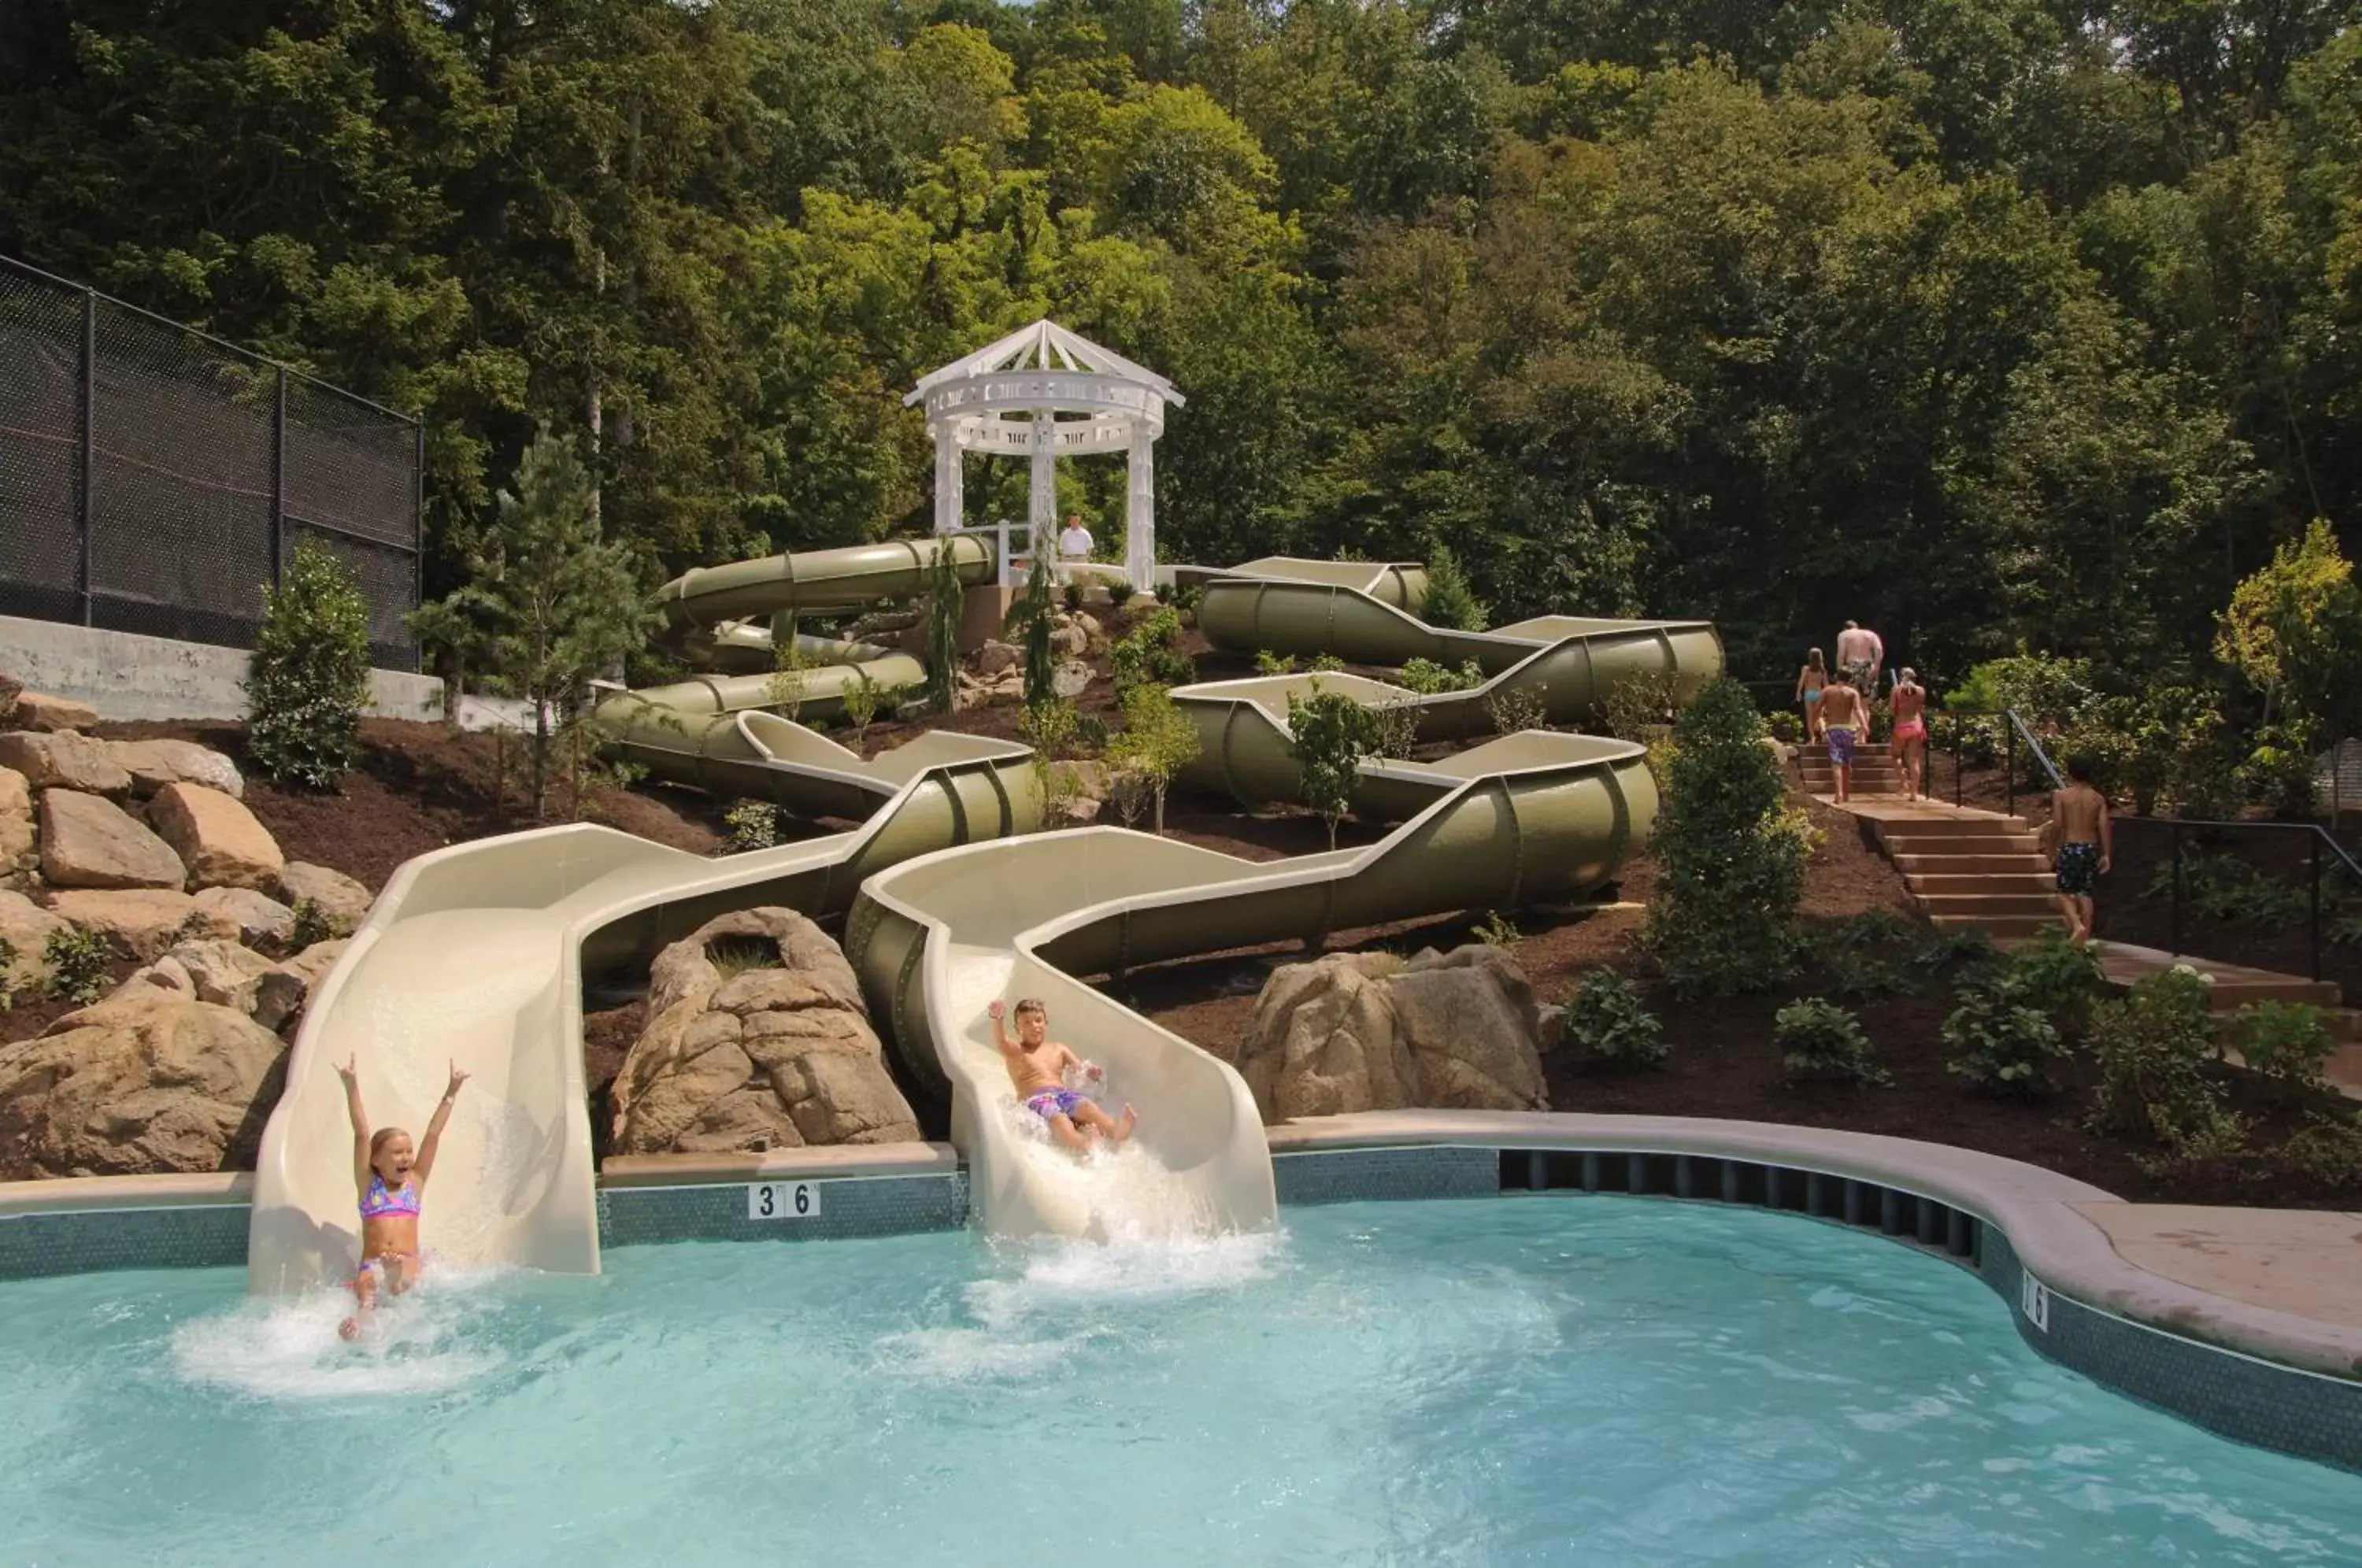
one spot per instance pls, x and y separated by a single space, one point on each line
1047 393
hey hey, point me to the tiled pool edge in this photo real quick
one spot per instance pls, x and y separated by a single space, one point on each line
1979 1211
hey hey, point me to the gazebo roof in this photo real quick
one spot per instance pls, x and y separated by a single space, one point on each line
1046 347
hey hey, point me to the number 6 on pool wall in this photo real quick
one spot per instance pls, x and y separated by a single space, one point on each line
2035 1298
783 1200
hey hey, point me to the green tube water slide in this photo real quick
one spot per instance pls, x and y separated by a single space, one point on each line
1364 614
712 730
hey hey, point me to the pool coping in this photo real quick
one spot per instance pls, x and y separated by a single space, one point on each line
2239 1368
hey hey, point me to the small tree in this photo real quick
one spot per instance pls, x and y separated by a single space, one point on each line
557 603
1158 741
1329 736
861 700
309 678
1451 601
945 595
1730 853
1031 617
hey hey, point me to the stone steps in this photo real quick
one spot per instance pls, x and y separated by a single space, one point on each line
1931 885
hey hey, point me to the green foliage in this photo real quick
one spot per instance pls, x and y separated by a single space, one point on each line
2152 1048
2288 1044
2049 693
1157 742
1858 977
1328 733
1073 593
308 680
946 595
2294 629
1606 1021
1118 591
1969 945
1181 597
550 603
1515 708
78 959
1427 677
1638 705
1146 655
2325 1149
1049 728
2227 889
1820 1041
312 924
1497 930
1786 727
752 824
2001 1044
1031 617
1269 663
2055 979
1325 664
862 702
1451 601
1730 853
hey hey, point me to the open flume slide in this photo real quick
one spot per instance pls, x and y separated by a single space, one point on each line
936 938
475 954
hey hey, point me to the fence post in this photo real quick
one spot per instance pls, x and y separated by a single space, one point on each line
2009 761
2316 903
2175 940
1959 763
418 542
89 447
278 482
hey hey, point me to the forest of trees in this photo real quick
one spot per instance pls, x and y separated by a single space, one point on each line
1992 323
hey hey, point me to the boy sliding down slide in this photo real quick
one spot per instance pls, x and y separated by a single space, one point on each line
1037 1066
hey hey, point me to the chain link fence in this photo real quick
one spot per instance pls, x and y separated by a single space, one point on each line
155 479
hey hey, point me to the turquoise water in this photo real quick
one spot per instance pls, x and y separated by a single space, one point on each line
1530 1381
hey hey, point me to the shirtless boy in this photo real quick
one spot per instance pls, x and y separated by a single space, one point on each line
1037 1066
1861 652
2086 846
1845 719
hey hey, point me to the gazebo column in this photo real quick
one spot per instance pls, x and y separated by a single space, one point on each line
947 476
1041 491
1140 510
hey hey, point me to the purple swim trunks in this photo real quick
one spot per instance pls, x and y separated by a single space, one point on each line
1050 1102
1840 739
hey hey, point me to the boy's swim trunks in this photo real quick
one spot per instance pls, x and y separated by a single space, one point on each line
1049 1102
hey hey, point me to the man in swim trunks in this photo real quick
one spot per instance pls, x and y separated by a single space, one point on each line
1845 718
1908 745
2086 846
1861 652
1038 1064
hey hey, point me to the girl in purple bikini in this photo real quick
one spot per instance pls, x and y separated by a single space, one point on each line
392 1182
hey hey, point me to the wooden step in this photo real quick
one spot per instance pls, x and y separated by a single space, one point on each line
1971 865
1921 844
1930 884
1988 904
2001 928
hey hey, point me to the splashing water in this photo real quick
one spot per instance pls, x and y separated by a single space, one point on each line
288 1348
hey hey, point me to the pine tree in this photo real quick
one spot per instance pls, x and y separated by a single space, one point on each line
552 602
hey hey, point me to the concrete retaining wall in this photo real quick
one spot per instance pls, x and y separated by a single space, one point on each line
125 676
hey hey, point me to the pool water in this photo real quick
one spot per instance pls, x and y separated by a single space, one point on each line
1544 1380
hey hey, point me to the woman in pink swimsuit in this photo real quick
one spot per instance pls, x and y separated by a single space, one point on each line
1908 745
392 1183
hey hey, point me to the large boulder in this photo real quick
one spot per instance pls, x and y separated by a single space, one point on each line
153 764
262 921
39 711
344 902
994 657
16 835
63 762
26 928
1367 1032
281 992
136 1087
768 1058
88 841
155 982
222 973
217 837
142 922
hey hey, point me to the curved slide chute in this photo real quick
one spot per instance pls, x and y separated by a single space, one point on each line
936 938
475 954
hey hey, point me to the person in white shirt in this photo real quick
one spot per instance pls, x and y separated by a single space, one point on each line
1074 546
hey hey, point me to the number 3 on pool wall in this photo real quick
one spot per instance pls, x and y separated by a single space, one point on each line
783 1200
2034 1296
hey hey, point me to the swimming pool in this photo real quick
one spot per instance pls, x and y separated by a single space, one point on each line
1540 1380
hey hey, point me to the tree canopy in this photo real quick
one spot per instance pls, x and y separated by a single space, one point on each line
1989 321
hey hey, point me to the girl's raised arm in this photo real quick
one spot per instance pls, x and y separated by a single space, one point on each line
434 1139
349 1072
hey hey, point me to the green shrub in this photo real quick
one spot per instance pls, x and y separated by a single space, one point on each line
1181 596
2056 979
1497 930
2047 693
1073 593
78 960
2001 1044
2286 1043
1451 602
2151 1048
1325 664
1120 592
1821 1043
752 825
1269 663
1427 677
1858 977
862 701
2226 888
1875 928
1638 705
1146 654
1967 944
308 680
1329 736
1158 741
1515 708
1606 1020
2326 1149
312 925
1787 727
1730 853
2279 772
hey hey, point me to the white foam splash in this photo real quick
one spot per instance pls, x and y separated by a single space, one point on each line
287 1348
